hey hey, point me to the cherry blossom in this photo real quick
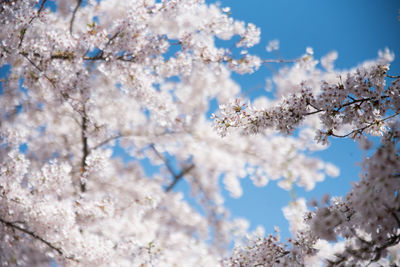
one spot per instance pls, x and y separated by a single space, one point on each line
89 81
356 103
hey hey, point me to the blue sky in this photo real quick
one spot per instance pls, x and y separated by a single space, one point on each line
356 30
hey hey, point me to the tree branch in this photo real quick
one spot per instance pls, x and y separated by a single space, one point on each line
85 149
71 24
109 139
32 234
23 31
39 69
128 134
361 130
354 101
280 60
169 167
176 177
370 251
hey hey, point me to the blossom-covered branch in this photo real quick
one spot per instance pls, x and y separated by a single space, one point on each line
359 102
367 218
35 236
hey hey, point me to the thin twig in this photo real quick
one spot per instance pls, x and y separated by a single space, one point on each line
113 37
23 31
39 69
354 101
313 112
109 139
14 226
128 134
390 210
360 130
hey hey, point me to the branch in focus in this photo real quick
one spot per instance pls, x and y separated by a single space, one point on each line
361 130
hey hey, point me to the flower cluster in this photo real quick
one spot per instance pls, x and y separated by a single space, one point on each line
354 106
269 251
366 220
368 217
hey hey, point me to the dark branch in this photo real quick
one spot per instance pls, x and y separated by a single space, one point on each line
23 31
71 24
107 140
362 129
39 69
63 55
169 167
64 96
370 250
127 134
314 112
354 101
393 213
32 234
113 37
176 177
85 149
67 55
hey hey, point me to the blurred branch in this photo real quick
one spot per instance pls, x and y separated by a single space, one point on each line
176 177
23 31
169 167
179 176
129 134
71 24
32 234
280 60
109 139
85 149
39 69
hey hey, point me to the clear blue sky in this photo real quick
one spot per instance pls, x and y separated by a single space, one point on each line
356 30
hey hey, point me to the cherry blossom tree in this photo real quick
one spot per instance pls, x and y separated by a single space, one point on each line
87 78
355 104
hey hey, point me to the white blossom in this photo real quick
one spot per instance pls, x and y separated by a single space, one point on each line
92 81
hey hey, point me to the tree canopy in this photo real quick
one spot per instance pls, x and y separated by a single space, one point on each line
85 78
